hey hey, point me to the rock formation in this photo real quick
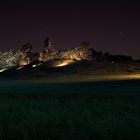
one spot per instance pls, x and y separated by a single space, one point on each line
9 59
80 53
25 55
49 52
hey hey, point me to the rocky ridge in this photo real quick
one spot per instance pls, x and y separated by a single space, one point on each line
25 55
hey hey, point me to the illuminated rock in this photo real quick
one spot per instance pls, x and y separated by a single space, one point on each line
78 54
49 52
9 59
25 55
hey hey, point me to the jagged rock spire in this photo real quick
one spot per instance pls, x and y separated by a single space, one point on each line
26 48
47 42
25 54
49 52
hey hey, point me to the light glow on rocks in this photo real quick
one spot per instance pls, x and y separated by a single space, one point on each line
19 68
34 66
64 63
2 70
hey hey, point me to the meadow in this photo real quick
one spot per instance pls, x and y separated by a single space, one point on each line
103 110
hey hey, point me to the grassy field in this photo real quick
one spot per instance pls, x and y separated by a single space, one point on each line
70 111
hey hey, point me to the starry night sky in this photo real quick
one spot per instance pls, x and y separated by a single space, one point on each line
108 26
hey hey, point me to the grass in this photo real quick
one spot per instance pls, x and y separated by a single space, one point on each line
78 111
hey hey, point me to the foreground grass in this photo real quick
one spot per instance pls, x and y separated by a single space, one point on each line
46 116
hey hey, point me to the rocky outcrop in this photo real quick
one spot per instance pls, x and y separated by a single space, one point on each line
78 54
9 59
50 53
25 55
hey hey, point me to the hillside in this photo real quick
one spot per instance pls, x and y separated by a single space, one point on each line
82 62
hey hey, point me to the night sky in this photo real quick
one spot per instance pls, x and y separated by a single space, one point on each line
108 26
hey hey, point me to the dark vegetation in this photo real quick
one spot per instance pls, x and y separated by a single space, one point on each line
78 111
